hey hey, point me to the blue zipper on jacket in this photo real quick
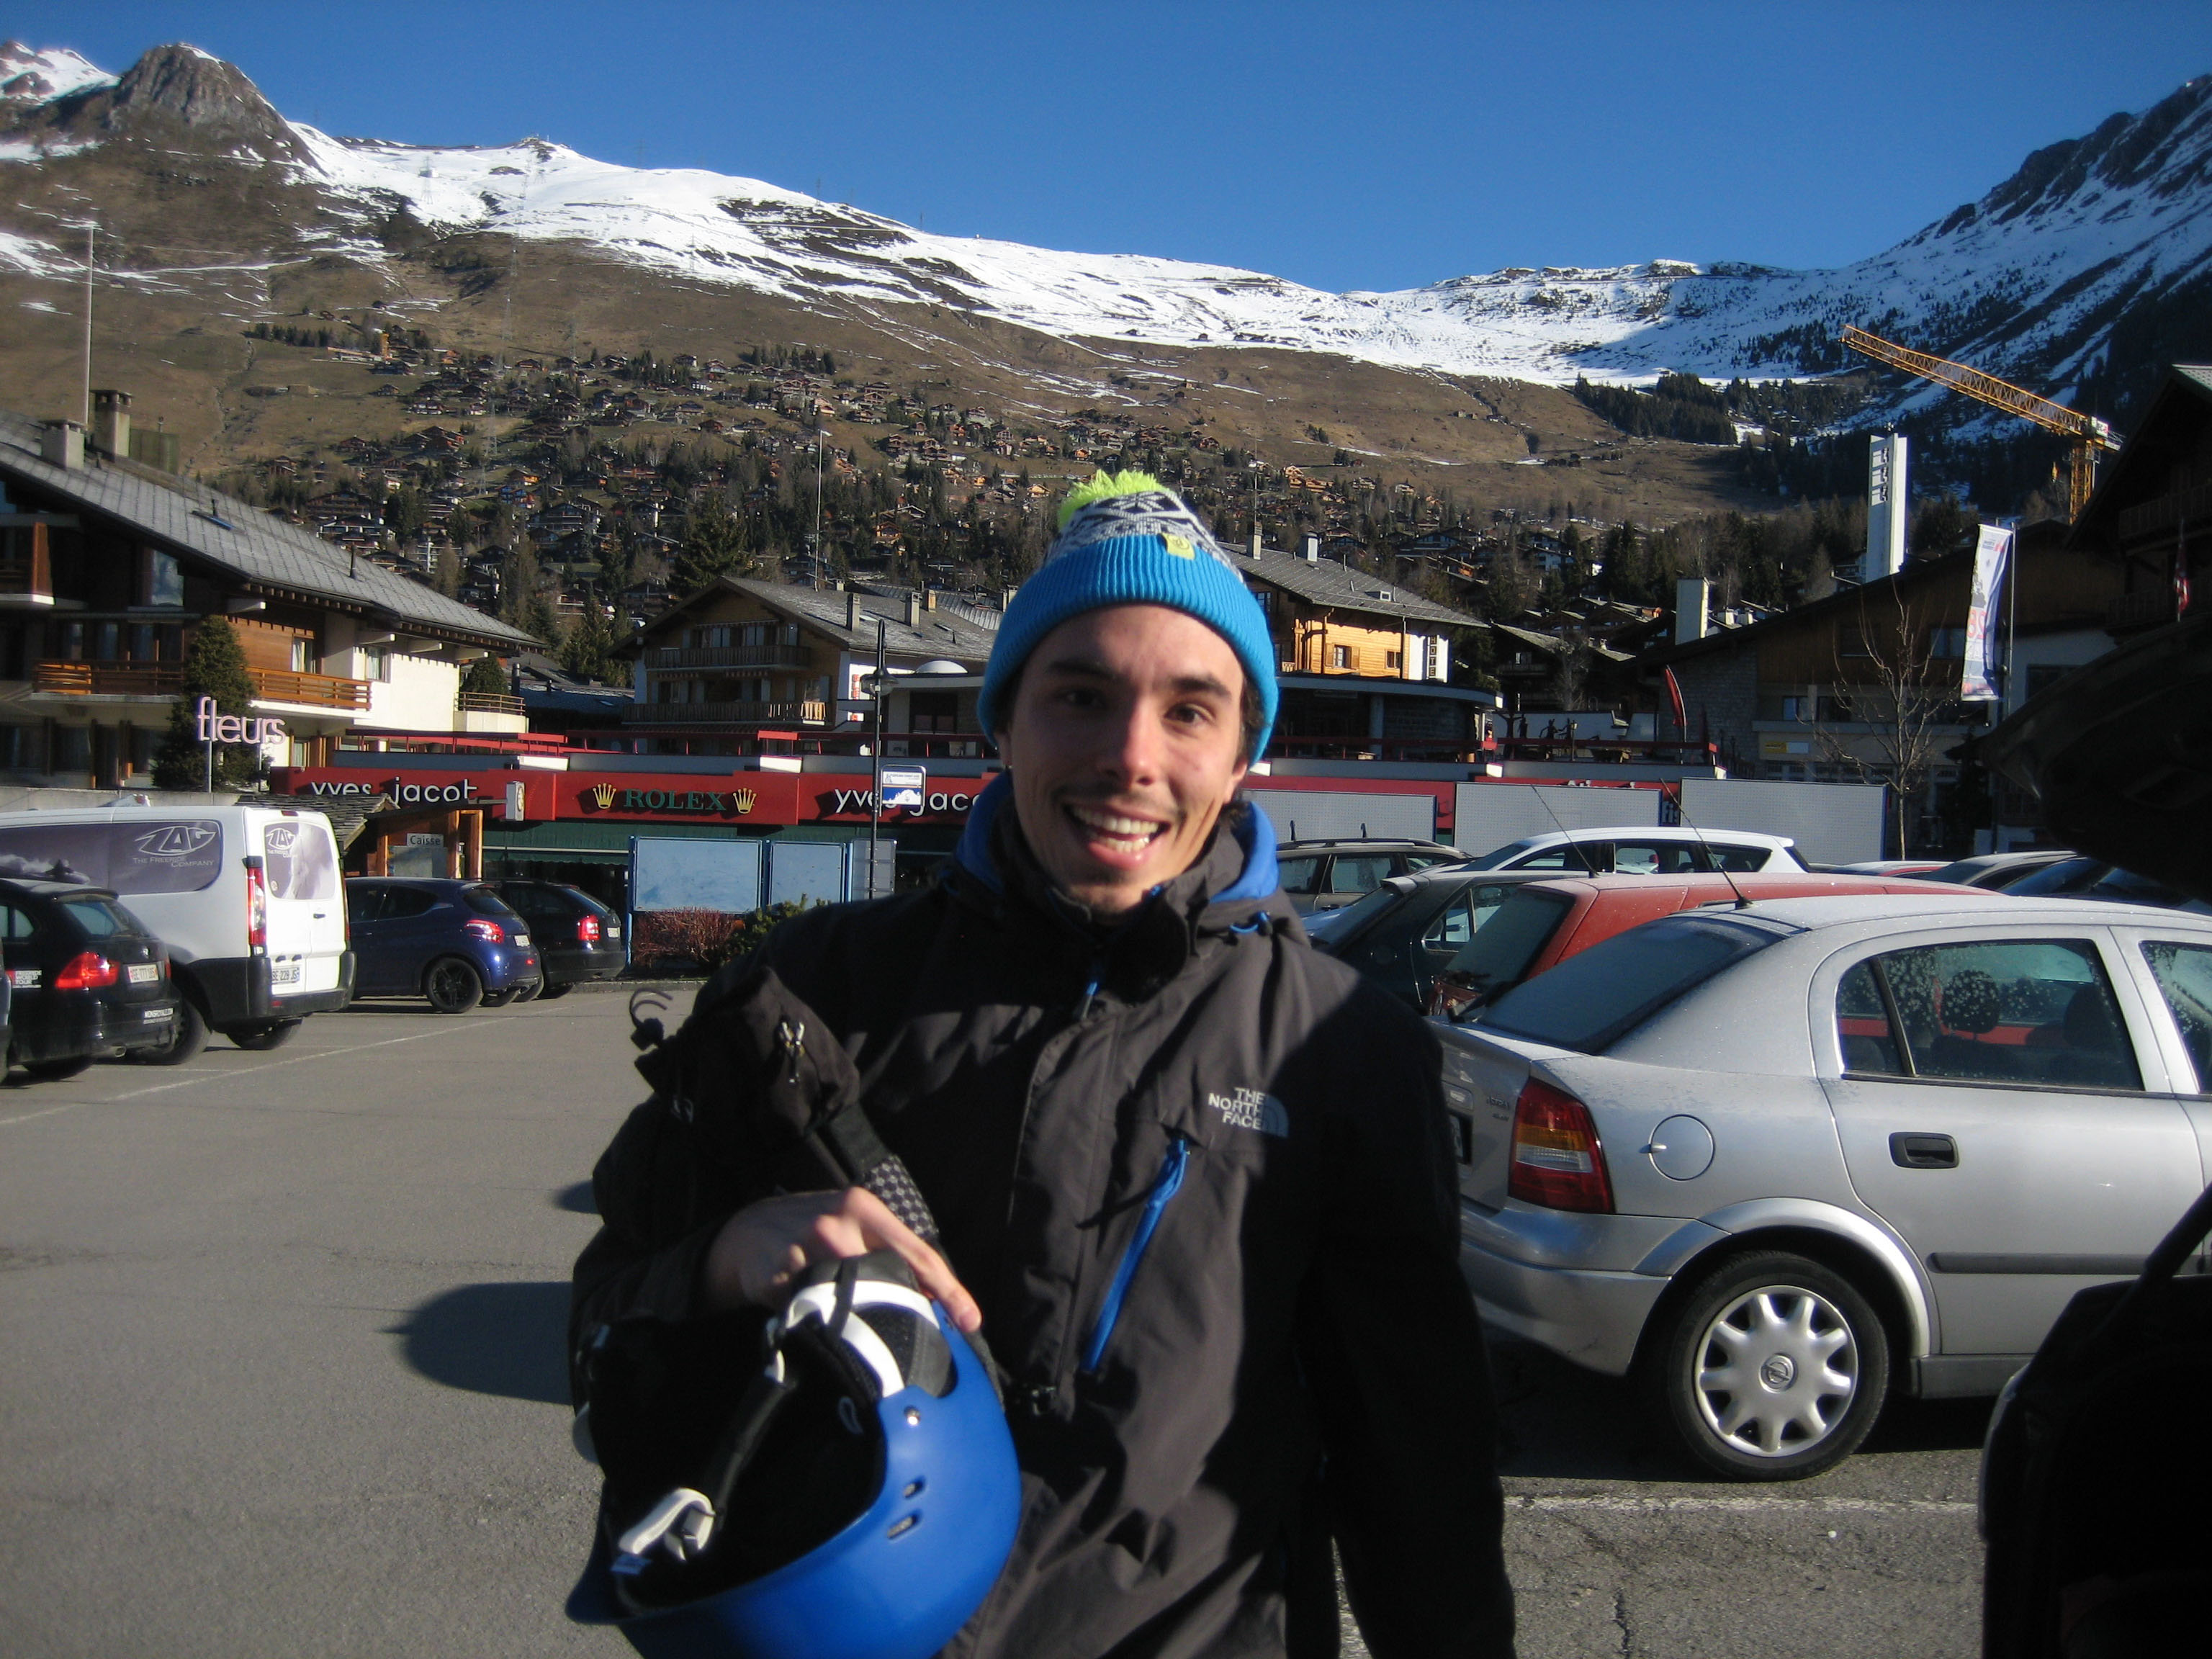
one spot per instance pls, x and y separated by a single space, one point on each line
1165 1185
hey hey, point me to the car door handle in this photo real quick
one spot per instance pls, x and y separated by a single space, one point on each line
1910 1152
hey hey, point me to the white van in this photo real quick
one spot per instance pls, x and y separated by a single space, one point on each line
249 899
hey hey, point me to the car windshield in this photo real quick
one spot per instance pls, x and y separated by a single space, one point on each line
1490 861
1590 1000
1509 939
101 917
1331 926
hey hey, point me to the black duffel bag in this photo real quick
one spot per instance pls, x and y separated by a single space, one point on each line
2096 1497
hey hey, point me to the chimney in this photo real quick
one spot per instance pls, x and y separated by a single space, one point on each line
1691 595
111 421
1252 547
914 608
1007 598
929 598
1313 549
852 609
62 442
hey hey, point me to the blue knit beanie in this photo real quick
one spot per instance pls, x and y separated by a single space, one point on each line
1127 539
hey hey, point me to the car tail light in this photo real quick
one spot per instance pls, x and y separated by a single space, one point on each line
1558 1159
256 908
490 932
87 970
587 930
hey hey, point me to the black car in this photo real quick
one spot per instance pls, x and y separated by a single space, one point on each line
1322 875
2094 878
86 980
578 937
1410 927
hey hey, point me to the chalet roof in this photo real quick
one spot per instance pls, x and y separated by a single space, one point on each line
2167 431
1338 586
260 551
2043 535
946 632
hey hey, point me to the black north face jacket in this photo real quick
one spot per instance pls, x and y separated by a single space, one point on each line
1199 1179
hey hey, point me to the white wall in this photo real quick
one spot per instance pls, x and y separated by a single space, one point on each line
420 697
1486 815
1831 822
1328 814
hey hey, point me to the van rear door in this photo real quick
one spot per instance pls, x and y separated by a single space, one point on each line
306 906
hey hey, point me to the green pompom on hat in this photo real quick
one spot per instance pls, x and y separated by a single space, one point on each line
1127 538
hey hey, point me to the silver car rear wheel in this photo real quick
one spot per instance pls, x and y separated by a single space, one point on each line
1772 1368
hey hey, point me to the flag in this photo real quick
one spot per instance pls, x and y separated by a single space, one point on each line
1977 676
1675 701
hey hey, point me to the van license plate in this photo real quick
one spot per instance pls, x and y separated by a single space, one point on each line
145 973
284 972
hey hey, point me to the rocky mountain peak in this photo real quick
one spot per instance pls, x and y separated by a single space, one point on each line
174 86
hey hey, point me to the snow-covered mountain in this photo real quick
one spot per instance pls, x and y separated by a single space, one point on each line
2043 278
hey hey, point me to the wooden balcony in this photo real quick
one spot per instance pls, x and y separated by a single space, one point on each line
489 703
729 656
166 679
727 713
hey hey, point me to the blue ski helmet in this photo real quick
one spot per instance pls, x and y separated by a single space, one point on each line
870 1441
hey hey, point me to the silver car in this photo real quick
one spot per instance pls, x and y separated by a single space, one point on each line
1777 1160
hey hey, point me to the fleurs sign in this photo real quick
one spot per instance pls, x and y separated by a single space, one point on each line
235 729
607 798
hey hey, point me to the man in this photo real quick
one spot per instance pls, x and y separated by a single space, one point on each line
1194 1181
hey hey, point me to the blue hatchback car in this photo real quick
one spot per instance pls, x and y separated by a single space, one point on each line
455 942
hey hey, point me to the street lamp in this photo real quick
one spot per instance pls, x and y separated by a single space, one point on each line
815 550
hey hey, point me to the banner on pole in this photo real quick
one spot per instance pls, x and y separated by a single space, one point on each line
1978 678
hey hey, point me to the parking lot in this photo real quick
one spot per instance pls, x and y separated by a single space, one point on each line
280 1374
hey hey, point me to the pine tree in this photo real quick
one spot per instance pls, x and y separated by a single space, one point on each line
215 666
587 651
485 676
714 546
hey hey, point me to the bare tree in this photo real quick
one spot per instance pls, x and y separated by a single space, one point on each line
1571 675
1895 698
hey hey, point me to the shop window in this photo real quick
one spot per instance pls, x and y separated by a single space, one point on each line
72 749
935 711
22 749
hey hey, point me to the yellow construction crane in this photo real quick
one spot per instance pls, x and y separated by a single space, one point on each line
2089 435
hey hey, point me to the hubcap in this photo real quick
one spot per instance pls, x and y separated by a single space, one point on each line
1776 1371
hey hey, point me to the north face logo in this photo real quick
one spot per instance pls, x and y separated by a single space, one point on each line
1249 1109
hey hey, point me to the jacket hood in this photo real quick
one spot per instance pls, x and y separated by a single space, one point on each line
1253 890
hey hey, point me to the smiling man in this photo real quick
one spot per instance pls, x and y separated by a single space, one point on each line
1193 1179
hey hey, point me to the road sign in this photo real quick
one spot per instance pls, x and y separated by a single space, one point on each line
905 786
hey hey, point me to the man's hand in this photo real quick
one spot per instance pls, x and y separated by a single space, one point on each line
764 1246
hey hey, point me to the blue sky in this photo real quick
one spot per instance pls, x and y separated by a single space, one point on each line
1378 145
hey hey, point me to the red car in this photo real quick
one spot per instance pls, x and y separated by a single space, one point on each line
1545 922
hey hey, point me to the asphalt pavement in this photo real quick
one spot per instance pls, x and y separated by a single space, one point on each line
280 1374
